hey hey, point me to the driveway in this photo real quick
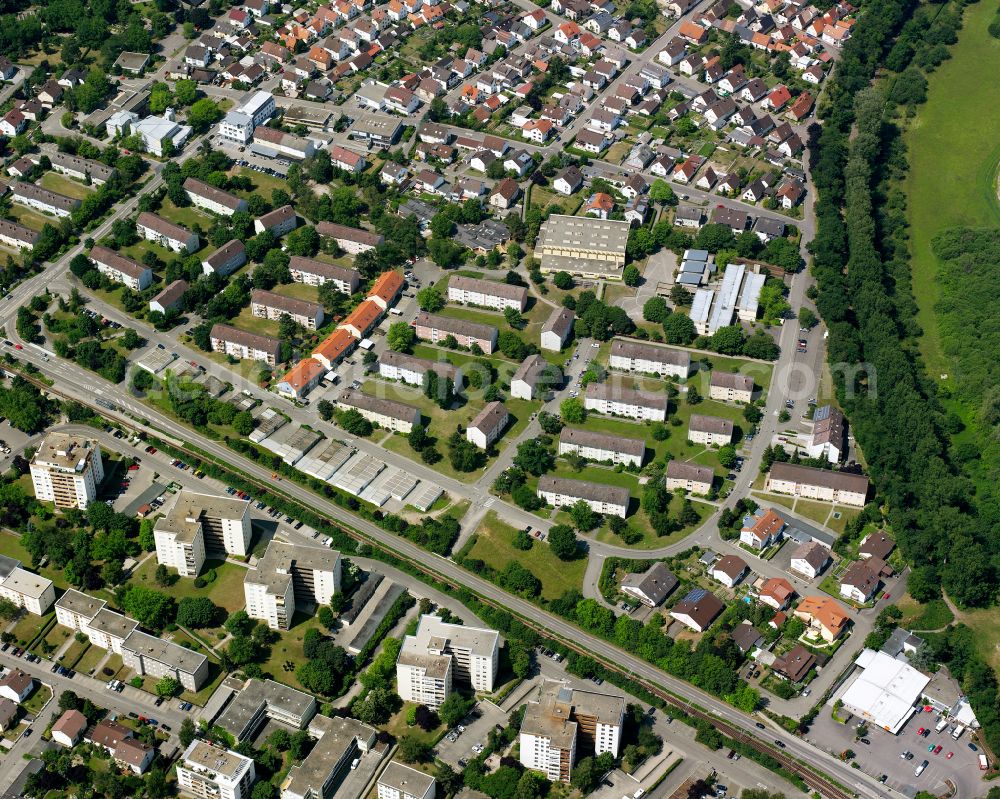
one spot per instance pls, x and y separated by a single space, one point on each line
660 268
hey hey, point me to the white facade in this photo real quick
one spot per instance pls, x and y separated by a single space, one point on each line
402 782
25 589
647 359
210 772
424 679
289 576
487 294
622 402
197 524
66 470
236 126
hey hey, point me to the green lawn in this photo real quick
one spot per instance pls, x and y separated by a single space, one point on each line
75 651
493 546
10 545
298 291
953 151
255 324
226 590
90 659
286 654
263 184
61 184
30 218
186 217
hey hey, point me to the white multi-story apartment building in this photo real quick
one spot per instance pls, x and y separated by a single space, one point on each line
81 168
207 771
120 269
562 491
565 722
166 233
689 477
143 653
730 387
434 328
48 202
410 369
351 240
488 425
225 260
601 447
712 431
198 524
824 485
25 589
557 328
635 356
829 439
204 195
487 293
66 470
270 305
439 653
290 576
396 416
535 377
402 782
614 400
317 273
241 344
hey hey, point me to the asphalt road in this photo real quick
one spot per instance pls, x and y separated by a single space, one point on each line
71 379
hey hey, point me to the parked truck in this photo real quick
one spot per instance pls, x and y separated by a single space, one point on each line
959 729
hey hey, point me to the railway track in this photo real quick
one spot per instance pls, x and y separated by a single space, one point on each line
814 780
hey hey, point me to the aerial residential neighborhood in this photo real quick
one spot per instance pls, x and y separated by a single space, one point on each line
463 398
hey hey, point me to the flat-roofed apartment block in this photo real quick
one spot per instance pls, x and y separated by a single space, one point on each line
557 328
434 328
689 477
440 653
614 400
269 305
564 725
273 139
48 202
240 344
402 782
410 369
635 356
601 447
225 260
339 741
822 484
207 771
487 293
561 491
16 235
120 269
351 240
730 387
165 233
711 430
205 195
488 425
260 701
81 168
390 414
147 654
290 576
535 377
198 525
25 589
66 470
120 635
317 273
593 248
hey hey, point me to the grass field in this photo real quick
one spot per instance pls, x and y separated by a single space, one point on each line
61 184
245 320
493 546
225 591
30 218
10 545
932 616
186 217
286 654
953 152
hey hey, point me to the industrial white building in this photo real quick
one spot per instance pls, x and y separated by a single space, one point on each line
199 524
886 692
66 470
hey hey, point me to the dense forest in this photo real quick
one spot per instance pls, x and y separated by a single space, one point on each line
861 265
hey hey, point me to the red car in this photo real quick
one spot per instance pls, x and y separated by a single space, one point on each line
949 756
18 347
937 749
920 731
133 467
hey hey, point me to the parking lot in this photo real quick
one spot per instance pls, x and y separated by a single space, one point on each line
455 750
884 754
